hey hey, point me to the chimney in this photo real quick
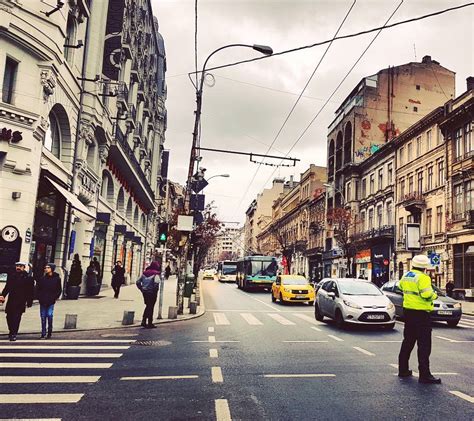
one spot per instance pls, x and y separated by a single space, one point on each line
426 59
470 83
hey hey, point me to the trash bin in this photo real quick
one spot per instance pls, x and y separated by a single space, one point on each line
188 285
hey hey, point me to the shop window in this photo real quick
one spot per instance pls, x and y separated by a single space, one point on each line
9 78
52 138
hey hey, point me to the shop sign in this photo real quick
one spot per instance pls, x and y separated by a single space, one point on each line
363 256
10 136
28 236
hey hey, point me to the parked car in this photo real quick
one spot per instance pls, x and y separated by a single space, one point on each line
355 301
292 288
446 309
209 274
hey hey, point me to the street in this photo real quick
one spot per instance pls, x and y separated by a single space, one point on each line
245 358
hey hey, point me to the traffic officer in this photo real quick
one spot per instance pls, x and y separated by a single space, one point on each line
418 297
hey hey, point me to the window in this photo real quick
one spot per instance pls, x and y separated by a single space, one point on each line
429 217
52 137
458 143
440 138
440 173
428 140
364 188
409 219
389 173
380 186
379 216
402 188
410 184
418 87
362 221
401 230
469 195
430 178
468 147
372 183
439 218
389 213
371 219
415 109
357 190
420 182
348 191
409 151
418 146
402 150
458 201
70 38
9 77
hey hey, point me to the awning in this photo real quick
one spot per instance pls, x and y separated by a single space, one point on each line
71 199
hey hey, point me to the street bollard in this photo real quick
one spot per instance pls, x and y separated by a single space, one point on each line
172 312
193 307
70 322
128 318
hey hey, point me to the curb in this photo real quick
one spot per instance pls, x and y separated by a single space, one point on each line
202 311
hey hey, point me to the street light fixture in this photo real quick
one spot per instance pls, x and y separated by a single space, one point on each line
219 175
335 189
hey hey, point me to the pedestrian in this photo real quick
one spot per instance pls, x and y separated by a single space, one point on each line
418 297
149 285
96 264
75 274
91 279
48 289
167 271
19 289
118 277
450 289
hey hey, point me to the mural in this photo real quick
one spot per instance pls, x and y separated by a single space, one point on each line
365 151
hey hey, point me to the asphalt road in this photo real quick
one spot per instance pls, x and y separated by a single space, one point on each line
247 358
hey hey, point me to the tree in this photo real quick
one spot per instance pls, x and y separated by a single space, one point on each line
286 245
203 238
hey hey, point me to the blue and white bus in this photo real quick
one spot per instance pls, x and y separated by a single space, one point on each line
227 271
256 272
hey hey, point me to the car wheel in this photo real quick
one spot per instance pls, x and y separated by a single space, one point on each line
453 323
282 301
273 298
317 314
339 319
390 326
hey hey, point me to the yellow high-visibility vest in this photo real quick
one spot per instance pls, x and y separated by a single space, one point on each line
418 294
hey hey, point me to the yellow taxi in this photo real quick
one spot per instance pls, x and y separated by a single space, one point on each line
292 288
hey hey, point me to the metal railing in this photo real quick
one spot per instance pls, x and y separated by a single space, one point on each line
132 113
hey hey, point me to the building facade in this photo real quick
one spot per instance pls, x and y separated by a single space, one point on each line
87 97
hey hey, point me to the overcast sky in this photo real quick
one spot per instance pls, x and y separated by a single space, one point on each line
237 115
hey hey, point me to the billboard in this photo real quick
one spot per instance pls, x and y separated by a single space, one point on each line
413 237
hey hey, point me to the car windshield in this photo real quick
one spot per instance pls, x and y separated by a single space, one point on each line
229 270
438 291
294 281
358 288
265 268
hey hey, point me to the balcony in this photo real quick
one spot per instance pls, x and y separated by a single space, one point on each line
385 231
413 202
134 72
141 91
122 95
146 108
132 114
138 133
470 220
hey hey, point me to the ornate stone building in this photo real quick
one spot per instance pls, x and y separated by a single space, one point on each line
87 94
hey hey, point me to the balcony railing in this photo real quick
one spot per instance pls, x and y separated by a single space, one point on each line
132 113
413 202
122 94
138 133
385 231
118 133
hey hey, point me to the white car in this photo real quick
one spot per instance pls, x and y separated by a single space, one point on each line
349 300
209 274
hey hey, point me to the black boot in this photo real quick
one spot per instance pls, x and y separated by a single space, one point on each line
429 379
143 322
407 373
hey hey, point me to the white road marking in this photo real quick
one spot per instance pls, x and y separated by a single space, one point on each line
280 319
415 373
210 329
468 321
309 319
212 338
465 326
214 341
438 373
304 342
41 398
364 351
55 355
221 319
160 378
49 379
384 342
75 347
462 395
251 319
222 410
266 304
336 338
452 340
254 311
77 341
213 353
317 329
55 365
112 335
216 374
289 376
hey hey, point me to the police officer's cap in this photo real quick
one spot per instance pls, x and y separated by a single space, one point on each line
421 261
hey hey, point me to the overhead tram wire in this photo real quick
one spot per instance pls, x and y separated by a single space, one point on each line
337 88
297 101
356 34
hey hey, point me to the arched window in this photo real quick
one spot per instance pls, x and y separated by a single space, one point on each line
136 217
143 222
348 143
339 151
129 213
331 160
70 38
107 187
120 200
52 138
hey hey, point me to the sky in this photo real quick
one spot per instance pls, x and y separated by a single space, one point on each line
247 104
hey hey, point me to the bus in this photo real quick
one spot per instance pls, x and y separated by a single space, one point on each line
256 272
227 271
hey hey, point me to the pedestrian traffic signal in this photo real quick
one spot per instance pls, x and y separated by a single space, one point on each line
163 232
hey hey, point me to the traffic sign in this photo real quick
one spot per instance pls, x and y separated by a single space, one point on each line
435 259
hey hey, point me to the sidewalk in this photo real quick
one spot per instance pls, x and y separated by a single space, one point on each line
102 311
467 307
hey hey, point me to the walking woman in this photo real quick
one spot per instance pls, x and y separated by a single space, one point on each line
118 277
149 284
48 289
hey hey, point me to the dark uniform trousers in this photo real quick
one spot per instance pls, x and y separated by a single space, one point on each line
13 322
417 330
150 300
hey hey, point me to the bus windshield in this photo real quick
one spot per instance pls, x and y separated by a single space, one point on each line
229 268
265 268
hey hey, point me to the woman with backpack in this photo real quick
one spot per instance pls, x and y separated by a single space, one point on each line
149 284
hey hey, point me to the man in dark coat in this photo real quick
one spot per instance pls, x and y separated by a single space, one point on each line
19 288
118 277
48 289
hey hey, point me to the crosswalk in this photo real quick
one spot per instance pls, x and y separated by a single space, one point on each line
466 323
54 362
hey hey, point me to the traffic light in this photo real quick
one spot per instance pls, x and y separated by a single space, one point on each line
162 232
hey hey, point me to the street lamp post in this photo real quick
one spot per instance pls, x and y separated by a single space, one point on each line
264 49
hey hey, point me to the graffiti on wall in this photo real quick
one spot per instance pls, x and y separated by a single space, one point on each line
367 150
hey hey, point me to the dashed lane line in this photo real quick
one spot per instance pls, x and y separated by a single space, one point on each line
213 353
211 339
75 347
55 355
214 341
291 376
251 319
222 410
453 340
145 378
221 319
309 319
40 398
281 319
216 375
317 329
462 395
364 351
304 342
385 342
76 341
415 373
210 329
56 365
336 338
48 379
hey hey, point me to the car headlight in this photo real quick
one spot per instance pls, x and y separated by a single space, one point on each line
286 290
390 306
351 304
457 305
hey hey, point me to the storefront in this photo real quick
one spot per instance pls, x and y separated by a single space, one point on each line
463 265
363 264
99 244
380 258
315 266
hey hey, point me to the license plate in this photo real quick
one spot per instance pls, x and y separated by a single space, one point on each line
375 317
301 296
445 313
